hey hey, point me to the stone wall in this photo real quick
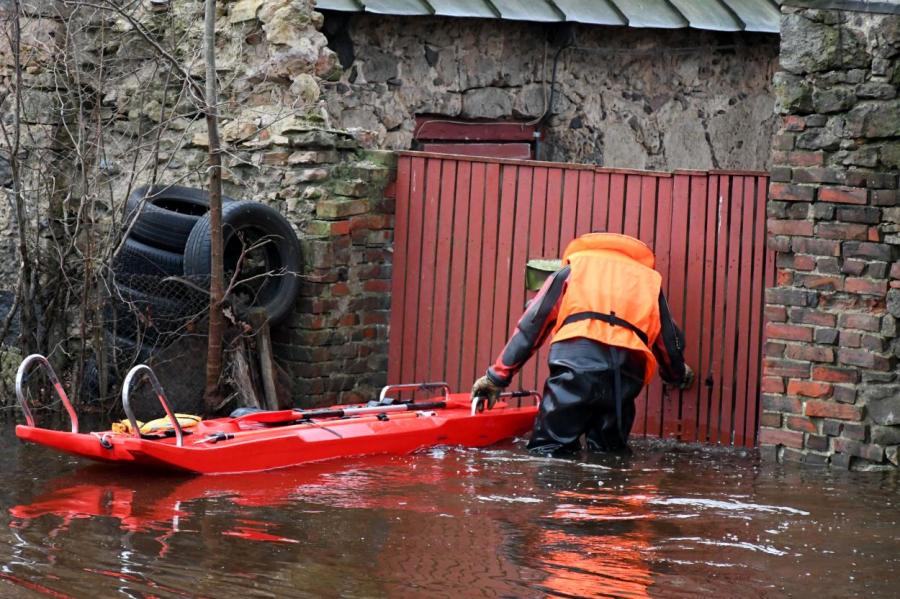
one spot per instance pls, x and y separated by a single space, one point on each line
831 390
279 149
639 104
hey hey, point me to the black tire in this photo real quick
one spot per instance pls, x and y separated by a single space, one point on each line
167 214
251 223
138 258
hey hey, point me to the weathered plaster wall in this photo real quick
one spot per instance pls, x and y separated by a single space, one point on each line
638 105
831 390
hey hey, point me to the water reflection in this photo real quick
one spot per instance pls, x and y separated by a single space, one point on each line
449 523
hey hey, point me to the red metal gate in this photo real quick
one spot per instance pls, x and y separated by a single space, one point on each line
466 226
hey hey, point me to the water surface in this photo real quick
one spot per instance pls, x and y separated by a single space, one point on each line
664 522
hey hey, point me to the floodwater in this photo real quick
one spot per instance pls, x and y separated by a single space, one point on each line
664 522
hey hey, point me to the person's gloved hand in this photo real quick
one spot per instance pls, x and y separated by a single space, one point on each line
688 379
488 389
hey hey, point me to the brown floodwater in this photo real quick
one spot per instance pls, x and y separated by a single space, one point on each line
668 521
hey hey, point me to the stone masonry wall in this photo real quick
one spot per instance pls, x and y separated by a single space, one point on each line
637 104
278 148
831 392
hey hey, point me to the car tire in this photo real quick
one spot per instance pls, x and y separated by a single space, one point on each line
138 258
165 214
249 223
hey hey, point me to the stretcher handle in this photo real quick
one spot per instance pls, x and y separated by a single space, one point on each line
435 386
160 394
21 392
479 403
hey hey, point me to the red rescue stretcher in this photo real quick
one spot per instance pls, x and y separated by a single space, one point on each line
267 440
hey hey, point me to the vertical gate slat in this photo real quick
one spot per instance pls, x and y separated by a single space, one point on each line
646 233
457 288
616 221
503 280
658 396
753 278
476 239
585 199
552 246
442 292
425 320
704 337
489 267
398 287
672 425
415 208
745 316
733 310
694 300
756 326
717 347
600 210
536 227
569 208
632 205
520 249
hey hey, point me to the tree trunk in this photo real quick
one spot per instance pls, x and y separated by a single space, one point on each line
212 392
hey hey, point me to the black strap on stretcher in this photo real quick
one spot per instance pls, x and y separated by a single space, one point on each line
613 320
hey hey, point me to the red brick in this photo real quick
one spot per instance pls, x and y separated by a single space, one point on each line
866 286
816 317
849 231
772 384
809 388
784 277
875 235
864 358
801 262
811 353
789 368
864 322
821 282
777 436
850 338
835 374
829 409
799 423
884 197
818 247
789 332
798 158
790 192
776 313
377 286
843 195
844 394
774 349
792 122
348 320
790 227
895 270
772 419
340 290
781 403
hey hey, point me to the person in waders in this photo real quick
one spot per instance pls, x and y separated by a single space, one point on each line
610 330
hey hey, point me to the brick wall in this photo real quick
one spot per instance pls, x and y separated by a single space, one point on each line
335 343
830 386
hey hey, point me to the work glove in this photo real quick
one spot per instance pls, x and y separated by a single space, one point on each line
488 389
688 379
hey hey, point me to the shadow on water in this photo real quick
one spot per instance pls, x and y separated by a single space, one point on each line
666 521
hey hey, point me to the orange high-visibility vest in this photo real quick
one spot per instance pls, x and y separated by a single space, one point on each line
612 295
